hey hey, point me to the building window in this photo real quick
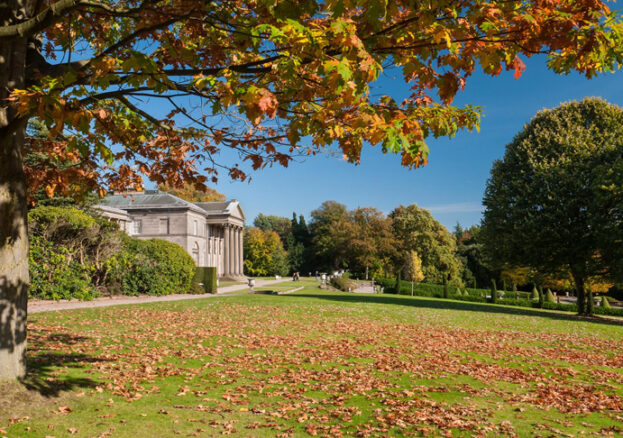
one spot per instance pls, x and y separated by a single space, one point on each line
164 226
195 227
137 226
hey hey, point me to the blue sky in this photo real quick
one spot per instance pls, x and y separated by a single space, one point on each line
452 184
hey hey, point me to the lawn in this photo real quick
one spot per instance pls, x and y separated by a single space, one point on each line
317 363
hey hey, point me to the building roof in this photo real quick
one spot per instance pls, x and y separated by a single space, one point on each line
155 199
227 208
151 199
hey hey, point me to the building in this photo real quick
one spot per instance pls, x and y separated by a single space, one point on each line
211 232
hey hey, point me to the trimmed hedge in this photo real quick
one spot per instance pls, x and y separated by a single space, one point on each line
478 296
206 276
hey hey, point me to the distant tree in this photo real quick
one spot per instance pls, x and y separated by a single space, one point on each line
300 230
280 225
296 253
416 229
190 192
370 241
475 266
264 253
328 227
413 267
458 231
555 201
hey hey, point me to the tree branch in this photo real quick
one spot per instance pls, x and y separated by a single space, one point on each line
40 21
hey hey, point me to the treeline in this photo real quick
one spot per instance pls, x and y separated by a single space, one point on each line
74 253
408 243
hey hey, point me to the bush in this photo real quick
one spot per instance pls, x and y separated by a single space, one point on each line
153 267
207 277
55 275
605 303
549 296
343 283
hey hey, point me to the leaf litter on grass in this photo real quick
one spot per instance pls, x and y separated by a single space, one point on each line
293 368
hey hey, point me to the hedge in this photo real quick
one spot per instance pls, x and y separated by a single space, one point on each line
152 267
478 295
343 283
206 276
76 254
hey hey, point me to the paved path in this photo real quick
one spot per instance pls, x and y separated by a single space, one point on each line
365 287
36 306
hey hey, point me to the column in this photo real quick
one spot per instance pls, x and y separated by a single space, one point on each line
236 267
231 250
225 251
241 247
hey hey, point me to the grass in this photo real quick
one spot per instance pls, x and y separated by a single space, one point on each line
317 363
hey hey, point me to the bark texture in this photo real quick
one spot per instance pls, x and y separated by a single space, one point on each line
580 289
13 228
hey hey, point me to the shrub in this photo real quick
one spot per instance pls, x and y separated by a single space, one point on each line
54 275
343 283
605 303
153 267
535 294
549 296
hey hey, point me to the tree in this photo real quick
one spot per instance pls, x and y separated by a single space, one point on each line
329 230
280 225
258 77
264 253
476 269
369 241
190 192
413 267
554 202
416 229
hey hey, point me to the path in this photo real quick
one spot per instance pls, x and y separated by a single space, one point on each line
36 306
365 287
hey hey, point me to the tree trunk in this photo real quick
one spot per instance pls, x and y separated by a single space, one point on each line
13 229
578 279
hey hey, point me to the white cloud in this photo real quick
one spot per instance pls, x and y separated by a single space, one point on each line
458 207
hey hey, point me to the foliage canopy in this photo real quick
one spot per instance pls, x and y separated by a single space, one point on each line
555 201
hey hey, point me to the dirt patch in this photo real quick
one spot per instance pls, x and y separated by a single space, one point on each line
18 400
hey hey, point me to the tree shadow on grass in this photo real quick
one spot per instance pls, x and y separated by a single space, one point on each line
50 373
438 303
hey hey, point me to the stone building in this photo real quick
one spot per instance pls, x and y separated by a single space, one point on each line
211 232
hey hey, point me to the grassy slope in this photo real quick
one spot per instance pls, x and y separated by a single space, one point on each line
318 363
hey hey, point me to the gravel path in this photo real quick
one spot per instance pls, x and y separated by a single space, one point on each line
36 306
